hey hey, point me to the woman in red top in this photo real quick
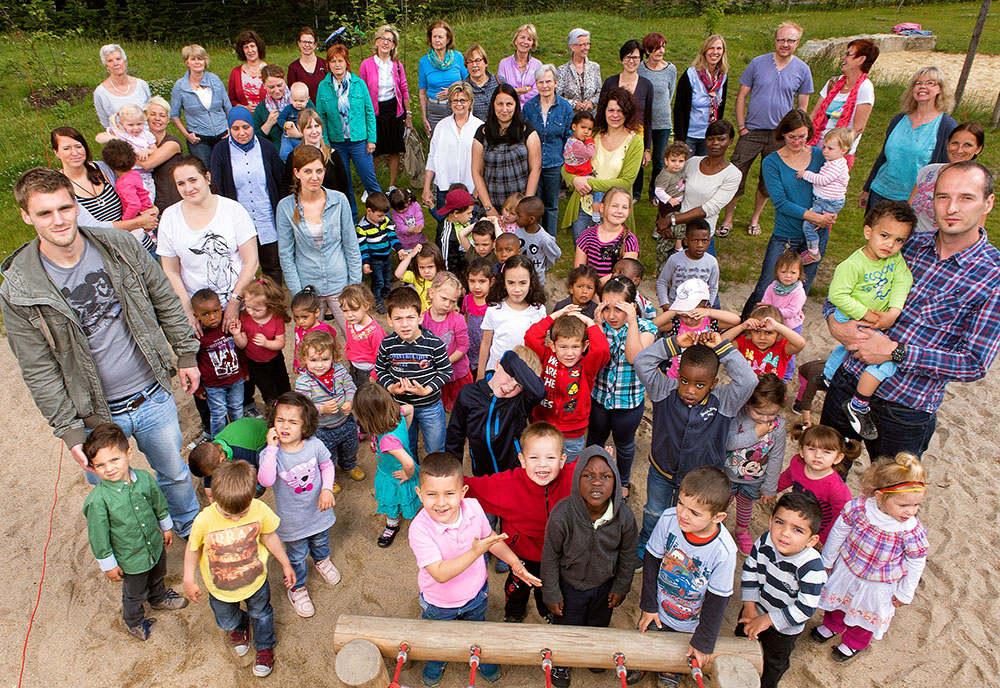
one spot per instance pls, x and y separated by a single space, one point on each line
310 68
246 85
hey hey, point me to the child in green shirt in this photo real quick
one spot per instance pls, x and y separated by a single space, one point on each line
241 440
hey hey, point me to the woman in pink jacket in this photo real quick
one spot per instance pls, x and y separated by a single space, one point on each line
386 81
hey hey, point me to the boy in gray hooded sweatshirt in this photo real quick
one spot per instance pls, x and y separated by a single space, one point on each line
589 554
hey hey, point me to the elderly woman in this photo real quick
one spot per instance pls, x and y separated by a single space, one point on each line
631 54
847 100
965 143
792 198
161 161
200 95
616 161
507 153
915 137
701 94
518 69
310 68
552 116
386 80
450 158
247 169
579 80
119 88
316 239
335 174
245 81
663 76
436 71
483 83
276 97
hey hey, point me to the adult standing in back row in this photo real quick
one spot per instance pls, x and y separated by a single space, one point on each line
776 83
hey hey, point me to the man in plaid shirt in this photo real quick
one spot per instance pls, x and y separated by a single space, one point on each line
949 329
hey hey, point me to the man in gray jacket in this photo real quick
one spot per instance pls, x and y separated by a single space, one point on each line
88 315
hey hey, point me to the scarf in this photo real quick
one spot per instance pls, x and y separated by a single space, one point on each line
846 112
712 86
784 289
273 105
343 90
241 114
446 63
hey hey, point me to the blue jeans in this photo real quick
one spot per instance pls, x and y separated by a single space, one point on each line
697 146
582 221
775 247
548 191
158 436
430 419
661 494
381 277
222 401
341 442
899 428
820 205
288 145
316 546
473 610
622 424
230 617
661 137
574 445
203 149
357 152
880 372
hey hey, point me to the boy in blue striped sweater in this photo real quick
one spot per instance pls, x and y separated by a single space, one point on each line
781 582
377 240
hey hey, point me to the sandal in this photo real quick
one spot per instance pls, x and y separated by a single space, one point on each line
753 230
723 231
388 535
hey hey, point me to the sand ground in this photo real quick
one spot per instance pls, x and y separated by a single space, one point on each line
949 635
980 90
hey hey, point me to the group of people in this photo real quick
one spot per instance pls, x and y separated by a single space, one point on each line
476 364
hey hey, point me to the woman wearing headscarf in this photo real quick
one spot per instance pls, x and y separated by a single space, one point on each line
247 169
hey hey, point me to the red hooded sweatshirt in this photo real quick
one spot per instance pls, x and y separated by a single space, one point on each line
523 504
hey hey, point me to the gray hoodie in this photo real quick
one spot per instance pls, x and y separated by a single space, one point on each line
581 555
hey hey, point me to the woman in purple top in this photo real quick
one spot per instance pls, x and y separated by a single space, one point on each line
518 69
310 68
386 80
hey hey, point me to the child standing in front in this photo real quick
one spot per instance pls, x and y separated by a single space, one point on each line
125 510
584 590
288 118
231 539
261 333
240 440
829 185
578 154
693 262
364 334
538 245
787 295
457 212
479 279
396 470
478 240
447 324
691 312
377 239
781 582
770 343
604 244
581 282
307 308
517 301
413 365
417 267
294 461
877 550
668 190
325 381
221 366
408 217
449 537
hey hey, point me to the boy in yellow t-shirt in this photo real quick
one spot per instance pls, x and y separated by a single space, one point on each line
231 538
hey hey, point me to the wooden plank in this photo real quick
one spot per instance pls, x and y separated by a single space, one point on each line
360 665
574 646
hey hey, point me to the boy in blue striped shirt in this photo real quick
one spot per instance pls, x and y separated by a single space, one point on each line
377 240
781 582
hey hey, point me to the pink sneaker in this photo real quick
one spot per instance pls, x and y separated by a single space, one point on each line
329 572
810 256
301 603
744 541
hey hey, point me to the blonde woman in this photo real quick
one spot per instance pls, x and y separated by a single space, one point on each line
161 161
335 176
202 97
518 69
385 77
701 94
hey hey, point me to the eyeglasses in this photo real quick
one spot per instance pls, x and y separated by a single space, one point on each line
631 58
459 101
850 54
476 60
924 83
580 44
307 42
787 41
384 38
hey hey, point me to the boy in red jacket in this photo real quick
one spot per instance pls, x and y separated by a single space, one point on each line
523 497
577 351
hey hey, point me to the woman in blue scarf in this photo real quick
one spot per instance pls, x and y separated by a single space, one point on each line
247 169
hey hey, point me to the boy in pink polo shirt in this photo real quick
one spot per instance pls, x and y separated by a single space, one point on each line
449 537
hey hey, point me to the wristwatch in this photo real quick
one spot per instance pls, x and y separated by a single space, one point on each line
899 353
488 208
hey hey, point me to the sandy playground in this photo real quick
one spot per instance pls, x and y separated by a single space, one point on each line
981 89
948 636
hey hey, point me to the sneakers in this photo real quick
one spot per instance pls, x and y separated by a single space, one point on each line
633 676
797 407
491 675
560 677
810 256
665 680
301 603
252 412
501 566
142 630
265 662
380 307
356 474
329 572
172 601
861 422
432 675
336 489
512 619
240 640
744 542
388 535
203 437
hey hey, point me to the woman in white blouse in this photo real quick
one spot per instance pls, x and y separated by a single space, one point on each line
450 157
119 88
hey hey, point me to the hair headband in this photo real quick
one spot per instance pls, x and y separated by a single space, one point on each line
909 486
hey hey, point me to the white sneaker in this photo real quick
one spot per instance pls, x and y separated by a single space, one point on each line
364 196
329 572
301 603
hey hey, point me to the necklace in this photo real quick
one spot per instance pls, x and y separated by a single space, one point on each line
128 86
92 191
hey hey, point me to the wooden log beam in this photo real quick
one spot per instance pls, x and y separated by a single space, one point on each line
360 665
521 644
730 671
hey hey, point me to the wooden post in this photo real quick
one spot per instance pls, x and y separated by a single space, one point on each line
730 671
971 54
360 665
574 646
996 113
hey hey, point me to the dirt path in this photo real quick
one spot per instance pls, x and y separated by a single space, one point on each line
984 79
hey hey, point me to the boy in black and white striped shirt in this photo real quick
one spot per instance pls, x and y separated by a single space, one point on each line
781 582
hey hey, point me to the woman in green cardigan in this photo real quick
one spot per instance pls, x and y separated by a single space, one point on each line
617 157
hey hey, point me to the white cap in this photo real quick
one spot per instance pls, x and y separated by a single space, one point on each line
690 295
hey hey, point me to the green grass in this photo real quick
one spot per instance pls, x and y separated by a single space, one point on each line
24 133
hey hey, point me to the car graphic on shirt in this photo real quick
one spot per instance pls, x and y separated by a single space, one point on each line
682 584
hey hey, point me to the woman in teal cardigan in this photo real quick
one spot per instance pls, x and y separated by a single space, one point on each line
344 105
616 161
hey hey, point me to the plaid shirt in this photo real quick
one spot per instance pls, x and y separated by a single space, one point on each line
950 324
616 385
505 166
871 553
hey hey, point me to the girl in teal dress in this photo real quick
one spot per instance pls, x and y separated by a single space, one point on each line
387 422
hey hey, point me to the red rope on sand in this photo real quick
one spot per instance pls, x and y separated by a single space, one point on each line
400 659
547 666
473 664
45 549
38 116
